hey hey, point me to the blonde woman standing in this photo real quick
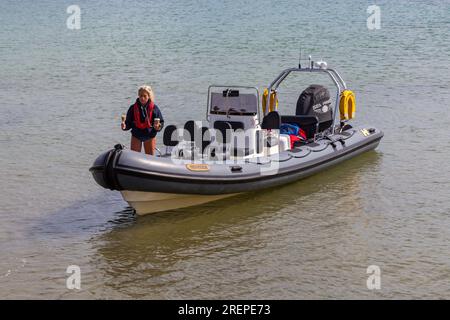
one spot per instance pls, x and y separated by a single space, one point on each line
145 120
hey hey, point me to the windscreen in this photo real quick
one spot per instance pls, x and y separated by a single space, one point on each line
234 101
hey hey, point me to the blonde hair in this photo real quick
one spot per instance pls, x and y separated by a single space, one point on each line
148 90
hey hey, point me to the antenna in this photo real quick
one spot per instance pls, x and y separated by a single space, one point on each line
300 59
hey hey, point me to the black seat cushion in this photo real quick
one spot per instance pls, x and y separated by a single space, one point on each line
310 124
206 137
225 128
189 130
271 121
168 136
235 125
192 131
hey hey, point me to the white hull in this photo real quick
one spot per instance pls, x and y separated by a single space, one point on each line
151 202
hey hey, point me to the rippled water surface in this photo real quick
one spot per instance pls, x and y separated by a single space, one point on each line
62 92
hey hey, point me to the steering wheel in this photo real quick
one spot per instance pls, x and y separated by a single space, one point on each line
228 111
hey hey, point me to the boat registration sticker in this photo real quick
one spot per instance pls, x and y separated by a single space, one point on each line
197 167
365 132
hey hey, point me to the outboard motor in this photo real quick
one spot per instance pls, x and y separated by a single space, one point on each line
315 101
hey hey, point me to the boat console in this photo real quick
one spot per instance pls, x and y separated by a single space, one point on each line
237 126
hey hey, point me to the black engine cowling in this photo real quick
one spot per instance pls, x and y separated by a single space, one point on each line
315 101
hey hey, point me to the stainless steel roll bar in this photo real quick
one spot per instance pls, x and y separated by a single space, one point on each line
333 74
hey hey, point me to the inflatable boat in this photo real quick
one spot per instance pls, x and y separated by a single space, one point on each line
242 145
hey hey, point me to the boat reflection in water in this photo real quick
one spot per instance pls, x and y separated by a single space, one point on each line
232 247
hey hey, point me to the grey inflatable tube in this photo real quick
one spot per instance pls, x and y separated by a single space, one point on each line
121 169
